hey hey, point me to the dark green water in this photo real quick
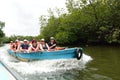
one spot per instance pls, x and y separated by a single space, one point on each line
105 64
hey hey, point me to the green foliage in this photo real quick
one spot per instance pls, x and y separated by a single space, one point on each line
2 24
13 38
62 37
52 25
86 21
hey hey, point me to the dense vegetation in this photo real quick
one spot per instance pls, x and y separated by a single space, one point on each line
87 21
2 24
14 37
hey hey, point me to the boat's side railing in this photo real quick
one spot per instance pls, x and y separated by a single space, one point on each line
13 73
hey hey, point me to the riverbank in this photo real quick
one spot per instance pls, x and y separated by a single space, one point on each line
92 44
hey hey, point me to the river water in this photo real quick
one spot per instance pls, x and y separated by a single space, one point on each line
97 63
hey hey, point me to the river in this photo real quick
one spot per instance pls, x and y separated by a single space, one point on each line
97 63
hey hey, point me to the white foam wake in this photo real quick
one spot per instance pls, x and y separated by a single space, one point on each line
42 65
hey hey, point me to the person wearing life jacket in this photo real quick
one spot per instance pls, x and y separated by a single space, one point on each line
34 46
24 46
52 43
44 46
12 46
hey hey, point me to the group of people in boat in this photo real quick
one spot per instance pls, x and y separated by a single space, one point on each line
34 45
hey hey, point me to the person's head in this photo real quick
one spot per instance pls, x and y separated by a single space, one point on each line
25 41
52 39
11 42
42 40
38 42
18 38
17 41
34 42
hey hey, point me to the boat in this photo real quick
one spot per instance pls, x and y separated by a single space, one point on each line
6 73
45 55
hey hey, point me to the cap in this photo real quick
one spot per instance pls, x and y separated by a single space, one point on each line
11 41
16 40
42 39
25 40
51 37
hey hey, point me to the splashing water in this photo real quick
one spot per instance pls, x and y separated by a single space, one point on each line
42 66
